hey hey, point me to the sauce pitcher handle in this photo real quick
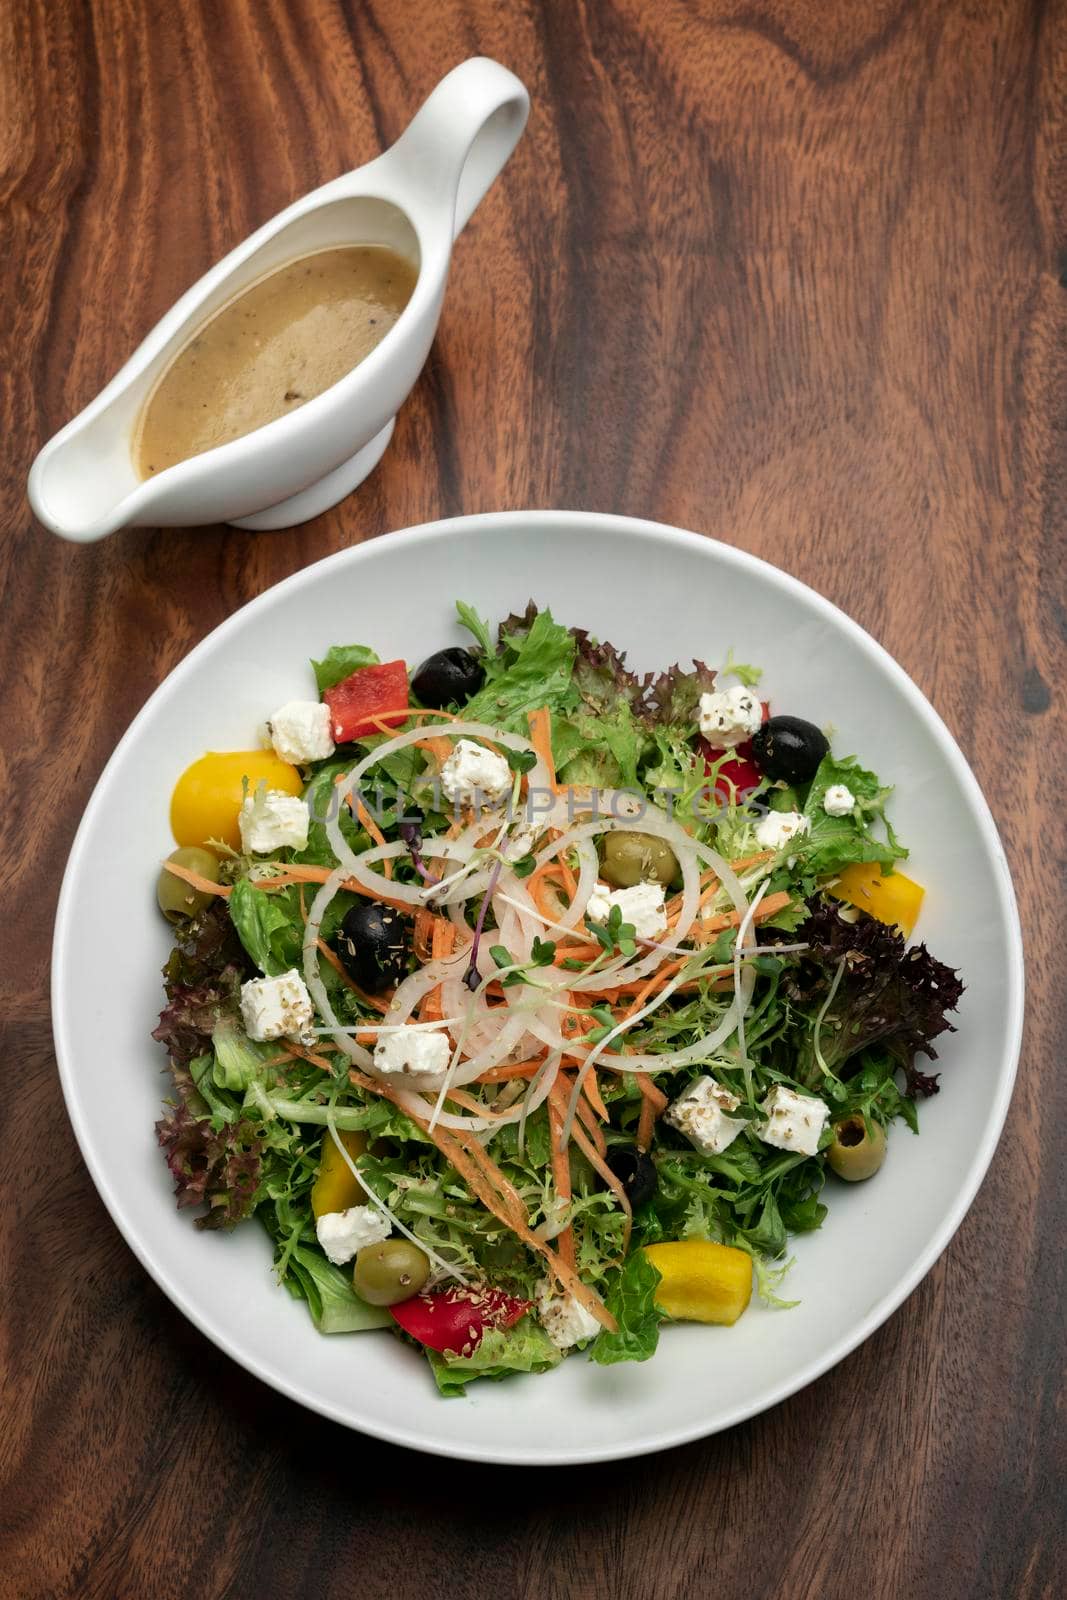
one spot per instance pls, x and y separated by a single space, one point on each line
458 141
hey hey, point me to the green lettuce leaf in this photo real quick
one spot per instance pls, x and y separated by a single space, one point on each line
476 625
269 926
531 668
632 1301
501 1351
600 751
340 662
334 1305
834 842
238 1060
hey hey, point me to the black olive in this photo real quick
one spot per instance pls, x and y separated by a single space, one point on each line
789 748
372 944
636 1171
448 678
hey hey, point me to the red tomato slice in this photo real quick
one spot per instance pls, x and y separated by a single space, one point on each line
380 692
455 1319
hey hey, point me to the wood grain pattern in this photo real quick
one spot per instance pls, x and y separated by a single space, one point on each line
791 272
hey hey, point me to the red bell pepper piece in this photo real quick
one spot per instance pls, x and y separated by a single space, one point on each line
380 691
455 1319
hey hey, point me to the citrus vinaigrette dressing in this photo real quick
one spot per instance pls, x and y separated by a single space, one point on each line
275 346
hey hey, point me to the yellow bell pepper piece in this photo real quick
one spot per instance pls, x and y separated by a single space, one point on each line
335 1189
891 898
700 1281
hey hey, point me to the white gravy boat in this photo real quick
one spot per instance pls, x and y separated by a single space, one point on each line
416 198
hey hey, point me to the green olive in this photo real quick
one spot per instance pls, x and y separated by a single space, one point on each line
176 897
387 1273
857 1151
630 858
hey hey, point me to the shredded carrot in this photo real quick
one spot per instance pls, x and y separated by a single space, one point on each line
367 822
423 933
658 980
646 1122
541 886
440 749
384 727
540 889
460 1097
707 895
310 1055
575 952
514 1069
205 885
768 907
540 723
561 1177
296 872
442 944
591 1090
558 1097
413 712
709 880
652 1092
587 1117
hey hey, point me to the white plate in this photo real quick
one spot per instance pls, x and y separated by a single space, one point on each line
664 595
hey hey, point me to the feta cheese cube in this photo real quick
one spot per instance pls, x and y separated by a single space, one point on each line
793 1121
701 1115
730 716
778 827
342 1233
838 801
473 775
563 1317
276 1008
642 906
270 819
413 1049
300 731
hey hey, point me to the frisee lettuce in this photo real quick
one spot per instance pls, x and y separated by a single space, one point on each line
499 1353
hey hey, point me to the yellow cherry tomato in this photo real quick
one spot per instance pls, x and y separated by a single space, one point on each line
208 795
891 898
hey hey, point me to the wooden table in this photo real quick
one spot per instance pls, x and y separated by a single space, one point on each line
790 272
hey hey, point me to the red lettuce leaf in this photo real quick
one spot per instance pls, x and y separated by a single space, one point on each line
888 996
673 697
219 1167
202 981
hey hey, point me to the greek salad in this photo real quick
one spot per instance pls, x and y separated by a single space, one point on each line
531 1004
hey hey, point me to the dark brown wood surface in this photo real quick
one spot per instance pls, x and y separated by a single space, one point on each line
790 272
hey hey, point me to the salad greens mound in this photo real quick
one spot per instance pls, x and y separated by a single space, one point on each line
547 1005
